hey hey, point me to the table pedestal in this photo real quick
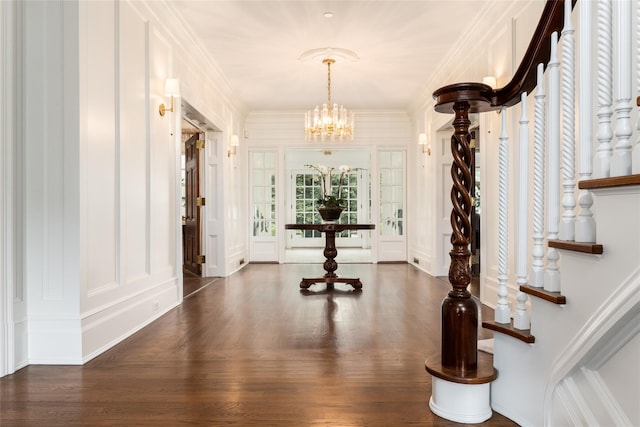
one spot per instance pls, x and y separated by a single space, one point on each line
330 266
330 252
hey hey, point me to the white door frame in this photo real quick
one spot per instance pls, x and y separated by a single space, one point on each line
8 102
211 221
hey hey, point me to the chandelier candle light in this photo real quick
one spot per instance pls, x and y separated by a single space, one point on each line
329 122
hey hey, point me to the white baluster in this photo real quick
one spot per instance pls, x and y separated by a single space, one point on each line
605 89
552 273
568 222
585 224
536 278
502 312
621 160
521 316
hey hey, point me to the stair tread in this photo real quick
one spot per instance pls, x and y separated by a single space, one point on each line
588 248
554 297
611 182
523 335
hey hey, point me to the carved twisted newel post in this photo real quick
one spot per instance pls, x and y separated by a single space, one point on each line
460 385
459 311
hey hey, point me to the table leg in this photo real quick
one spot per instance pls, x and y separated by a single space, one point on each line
330 266
330 253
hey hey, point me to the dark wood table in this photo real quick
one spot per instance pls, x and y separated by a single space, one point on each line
330 252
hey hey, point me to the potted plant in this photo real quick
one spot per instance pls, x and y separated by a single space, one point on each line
330 206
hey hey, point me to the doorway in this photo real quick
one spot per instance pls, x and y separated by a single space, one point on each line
203 224
303 190
191 225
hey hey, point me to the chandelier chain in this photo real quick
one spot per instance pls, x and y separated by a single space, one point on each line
329 62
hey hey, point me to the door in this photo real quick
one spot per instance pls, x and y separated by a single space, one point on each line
191 224
263 201
305 191
391 222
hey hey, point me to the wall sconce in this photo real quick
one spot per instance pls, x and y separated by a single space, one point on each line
422 141
490 81
233 145
171 89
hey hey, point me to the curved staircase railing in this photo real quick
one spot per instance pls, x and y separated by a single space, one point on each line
549 69
459 314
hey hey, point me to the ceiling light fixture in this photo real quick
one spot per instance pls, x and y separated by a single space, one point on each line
329 121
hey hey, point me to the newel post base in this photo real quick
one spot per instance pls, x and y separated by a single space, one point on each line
462 403
461 397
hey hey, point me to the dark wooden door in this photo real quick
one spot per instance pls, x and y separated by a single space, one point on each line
191 232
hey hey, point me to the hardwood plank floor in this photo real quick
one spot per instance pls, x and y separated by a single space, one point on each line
192 283
252 349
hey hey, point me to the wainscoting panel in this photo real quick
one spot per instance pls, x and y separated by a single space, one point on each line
134 144
101 175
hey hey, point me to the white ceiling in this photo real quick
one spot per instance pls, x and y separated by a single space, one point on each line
257 45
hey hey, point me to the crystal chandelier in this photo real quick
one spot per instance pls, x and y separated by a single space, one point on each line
329 121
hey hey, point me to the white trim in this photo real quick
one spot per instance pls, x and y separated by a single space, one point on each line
8 11
611 320
606 398
577 408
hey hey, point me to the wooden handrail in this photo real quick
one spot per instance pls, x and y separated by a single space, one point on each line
524 79
538 52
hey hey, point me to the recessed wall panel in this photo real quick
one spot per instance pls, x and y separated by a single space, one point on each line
134 162
53 152
162 173
101 142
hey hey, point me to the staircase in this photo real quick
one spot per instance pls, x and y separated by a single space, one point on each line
567 353
582 369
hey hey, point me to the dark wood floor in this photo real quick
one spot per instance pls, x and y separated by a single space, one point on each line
192 283
252 349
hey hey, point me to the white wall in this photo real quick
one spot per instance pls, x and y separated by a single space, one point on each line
52 201
101 222
130 272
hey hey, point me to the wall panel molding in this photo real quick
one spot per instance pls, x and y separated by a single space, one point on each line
106 326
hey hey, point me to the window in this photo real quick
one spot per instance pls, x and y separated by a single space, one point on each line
263 191
391 193
307 192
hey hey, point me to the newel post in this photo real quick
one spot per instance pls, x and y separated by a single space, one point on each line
459 311
460 385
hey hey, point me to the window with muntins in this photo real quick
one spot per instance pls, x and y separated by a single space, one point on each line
263 189
307 193
391 193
